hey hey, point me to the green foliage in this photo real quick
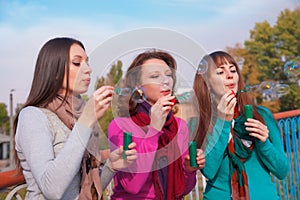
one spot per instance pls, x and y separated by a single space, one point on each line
112 78
3 113
115 74
103 123
291 101
272 46
262 47
266 52
4 118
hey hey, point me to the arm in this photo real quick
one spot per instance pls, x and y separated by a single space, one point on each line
106 175
215 146
134 177
271 151
33 138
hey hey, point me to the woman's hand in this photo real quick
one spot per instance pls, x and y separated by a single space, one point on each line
226 106
97 105
160 110
116 161
200 158
257 129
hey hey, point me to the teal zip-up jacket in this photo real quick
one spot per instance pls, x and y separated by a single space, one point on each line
267 158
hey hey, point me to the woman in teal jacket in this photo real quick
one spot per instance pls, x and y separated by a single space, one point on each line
241 155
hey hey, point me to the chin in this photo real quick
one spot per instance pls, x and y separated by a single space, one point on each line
79 92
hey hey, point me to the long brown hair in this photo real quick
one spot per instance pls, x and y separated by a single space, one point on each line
133 74
203 96
50 68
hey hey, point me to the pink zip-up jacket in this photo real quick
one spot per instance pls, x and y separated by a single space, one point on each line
135 182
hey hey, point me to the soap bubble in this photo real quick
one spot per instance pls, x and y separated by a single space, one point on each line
250 88
270 89
202 67
292 69
266 85
123 91
282 89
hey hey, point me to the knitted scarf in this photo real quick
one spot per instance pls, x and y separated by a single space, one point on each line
168 180
69 113
238 153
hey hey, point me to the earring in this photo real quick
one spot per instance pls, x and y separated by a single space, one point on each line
138 95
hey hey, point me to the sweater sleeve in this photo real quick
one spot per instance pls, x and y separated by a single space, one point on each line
215 146
106 175
33 138
134 177
271 152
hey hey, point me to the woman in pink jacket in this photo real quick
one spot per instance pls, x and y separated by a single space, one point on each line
162 169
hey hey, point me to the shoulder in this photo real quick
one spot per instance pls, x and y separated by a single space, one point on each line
31 112
264 111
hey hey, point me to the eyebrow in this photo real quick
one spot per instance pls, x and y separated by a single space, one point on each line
222 67
79 56
159 72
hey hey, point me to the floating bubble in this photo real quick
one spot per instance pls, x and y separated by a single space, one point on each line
123 91
269 88
202 67
282 89
138 95
184 97
249 88
291 69
266 85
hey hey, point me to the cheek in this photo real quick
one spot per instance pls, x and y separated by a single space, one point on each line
73 76
216 81
152 91
237 78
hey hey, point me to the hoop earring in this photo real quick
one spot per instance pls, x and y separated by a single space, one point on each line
138 95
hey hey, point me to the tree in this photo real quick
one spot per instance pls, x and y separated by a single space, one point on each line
4 119
271 47
261 46
287 34
291 101
112 78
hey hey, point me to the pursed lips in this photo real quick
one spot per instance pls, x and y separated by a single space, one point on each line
231 85
87 80
165 92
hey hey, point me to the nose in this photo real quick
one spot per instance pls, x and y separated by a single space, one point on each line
86 68
166 80
229 75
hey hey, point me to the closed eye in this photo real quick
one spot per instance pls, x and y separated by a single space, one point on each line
77 64
154 76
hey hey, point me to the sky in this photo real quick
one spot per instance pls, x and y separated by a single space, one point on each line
26 25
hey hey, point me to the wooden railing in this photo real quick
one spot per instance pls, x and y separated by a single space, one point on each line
11 182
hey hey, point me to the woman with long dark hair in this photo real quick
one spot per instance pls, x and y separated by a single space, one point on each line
56 132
